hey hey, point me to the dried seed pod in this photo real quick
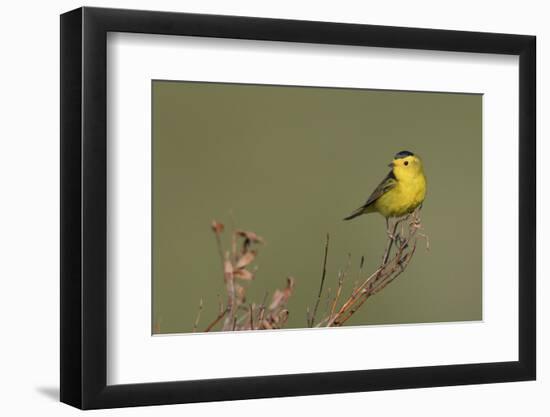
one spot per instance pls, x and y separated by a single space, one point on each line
246 259
217 227
243 274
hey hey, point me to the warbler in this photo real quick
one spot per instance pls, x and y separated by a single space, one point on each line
401 192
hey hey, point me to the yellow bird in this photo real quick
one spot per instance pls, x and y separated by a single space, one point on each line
401 192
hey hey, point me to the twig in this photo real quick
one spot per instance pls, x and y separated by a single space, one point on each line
327 301
234 254
391 267
237 267
198 317
391 239
341 278
338 292
230 289
312 322
427 240
218 229
220 304
354 297
374 290
216 320
261 317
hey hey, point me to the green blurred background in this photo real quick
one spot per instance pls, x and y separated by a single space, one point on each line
289 163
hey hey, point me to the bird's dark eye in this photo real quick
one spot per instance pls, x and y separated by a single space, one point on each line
406 163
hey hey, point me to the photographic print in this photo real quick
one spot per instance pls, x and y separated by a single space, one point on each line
292 207
338 187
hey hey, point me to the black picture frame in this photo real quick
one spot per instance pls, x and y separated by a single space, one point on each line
84 207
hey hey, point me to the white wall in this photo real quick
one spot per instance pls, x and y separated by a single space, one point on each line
29 176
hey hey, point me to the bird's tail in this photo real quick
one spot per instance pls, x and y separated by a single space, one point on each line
355 213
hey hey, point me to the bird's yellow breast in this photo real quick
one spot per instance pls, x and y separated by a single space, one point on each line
406 196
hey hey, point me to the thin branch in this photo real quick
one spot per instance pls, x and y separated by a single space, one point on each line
354 297
216 320
323 275
261 317
426 238
218 229
327 301
237 268
391 239
241 315
341 278
220 304
230 289
338 292
391 267
198 317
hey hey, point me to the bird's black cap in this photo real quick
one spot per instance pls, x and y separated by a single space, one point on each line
403 154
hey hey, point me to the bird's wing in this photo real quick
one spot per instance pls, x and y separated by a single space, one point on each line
386 185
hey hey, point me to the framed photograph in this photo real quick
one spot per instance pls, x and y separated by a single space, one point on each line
258 208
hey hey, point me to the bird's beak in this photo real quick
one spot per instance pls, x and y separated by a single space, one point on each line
390 164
